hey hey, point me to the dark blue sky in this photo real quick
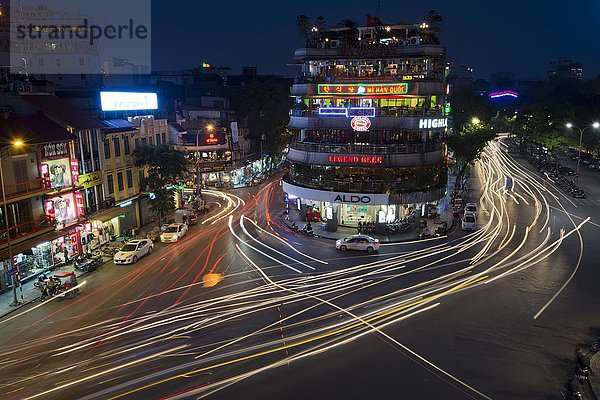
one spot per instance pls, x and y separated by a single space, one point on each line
519 36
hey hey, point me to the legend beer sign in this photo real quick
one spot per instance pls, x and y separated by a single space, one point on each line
366 160
429 123
364 89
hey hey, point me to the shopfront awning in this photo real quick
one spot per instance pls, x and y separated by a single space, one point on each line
30 243
107 215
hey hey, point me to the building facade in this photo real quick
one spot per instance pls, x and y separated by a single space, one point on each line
370 115
44 202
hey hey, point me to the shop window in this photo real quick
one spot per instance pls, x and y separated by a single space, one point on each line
117 146
120 181
143 142
137 143
129 179
106 149
164 138
126 145
110 183
150 142
157 139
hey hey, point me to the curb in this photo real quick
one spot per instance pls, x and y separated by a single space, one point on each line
448 232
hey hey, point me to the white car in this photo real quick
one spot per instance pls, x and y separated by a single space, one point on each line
358 242
173 233
132 251
469 222
471 208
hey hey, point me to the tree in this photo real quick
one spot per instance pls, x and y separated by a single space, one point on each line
303 26
434 20
265 104
166 166
467 105
468 144
320 23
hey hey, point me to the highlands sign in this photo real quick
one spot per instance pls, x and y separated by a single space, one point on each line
429 123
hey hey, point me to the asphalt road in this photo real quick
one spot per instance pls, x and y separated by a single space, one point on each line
475 315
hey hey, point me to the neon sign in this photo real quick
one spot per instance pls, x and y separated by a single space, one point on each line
211 139
362 89
347 112
504 93
428 123
361 112
333 111
360 124
356 159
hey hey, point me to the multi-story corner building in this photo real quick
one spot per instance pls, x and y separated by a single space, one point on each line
42 202
370 115
122 177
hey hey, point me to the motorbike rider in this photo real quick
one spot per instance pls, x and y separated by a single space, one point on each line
51 286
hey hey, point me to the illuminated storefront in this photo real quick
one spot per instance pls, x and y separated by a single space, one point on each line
65 204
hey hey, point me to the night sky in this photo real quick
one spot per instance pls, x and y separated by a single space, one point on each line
519 36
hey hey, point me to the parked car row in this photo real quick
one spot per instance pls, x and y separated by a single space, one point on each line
169 232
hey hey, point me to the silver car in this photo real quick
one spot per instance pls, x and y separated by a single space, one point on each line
358 242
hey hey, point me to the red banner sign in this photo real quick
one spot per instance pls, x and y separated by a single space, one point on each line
356 159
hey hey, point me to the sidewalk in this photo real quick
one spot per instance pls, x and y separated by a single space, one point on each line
345 231
30 292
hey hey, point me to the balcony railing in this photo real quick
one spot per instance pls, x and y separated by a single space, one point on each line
27 228
394 112
352 78
367 186
405 148
25 188
103 205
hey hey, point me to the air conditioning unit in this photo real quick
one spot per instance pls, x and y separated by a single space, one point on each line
335 44
414 41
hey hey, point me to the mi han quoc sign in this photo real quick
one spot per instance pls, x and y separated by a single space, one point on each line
364 89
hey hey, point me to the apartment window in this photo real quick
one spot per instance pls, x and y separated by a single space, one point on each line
164 138
143 142
110 183
117 146
129 179
120 181
137 143
106 148
126 145
150 142
157 138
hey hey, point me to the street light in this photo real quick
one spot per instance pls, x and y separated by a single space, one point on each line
475 121
569 125
16 274
208 128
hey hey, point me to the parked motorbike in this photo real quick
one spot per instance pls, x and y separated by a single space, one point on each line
154 234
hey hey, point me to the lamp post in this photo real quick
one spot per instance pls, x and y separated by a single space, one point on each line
209 128
569 125
16 274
